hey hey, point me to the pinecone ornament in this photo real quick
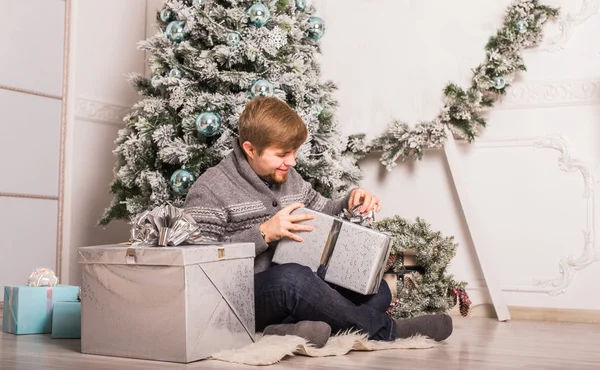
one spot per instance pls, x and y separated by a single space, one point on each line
390 262
396 304
410 283
461 297
464 308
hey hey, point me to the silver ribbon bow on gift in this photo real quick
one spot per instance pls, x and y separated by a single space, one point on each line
366 219
42 277
164 226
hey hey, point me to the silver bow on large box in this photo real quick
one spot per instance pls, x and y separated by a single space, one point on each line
164 226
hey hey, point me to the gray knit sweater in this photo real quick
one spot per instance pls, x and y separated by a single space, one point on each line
229 202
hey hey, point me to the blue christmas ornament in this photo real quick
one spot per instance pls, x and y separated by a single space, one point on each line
208 123
522 26
261 87
175 31
316 28
233 39
176 73
258 14
499 82
300 4
181 181
154 81
166 14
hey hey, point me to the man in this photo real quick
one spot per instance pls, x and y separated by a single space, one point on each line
249 197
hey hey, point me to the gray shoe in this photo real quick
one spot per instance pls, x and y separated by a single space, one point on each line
315 332
436 327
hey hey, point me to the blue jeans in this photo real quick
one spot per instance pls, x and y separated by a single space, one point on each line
291 292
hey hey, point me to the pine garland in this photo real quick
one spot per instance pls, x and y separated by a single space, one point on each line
522 28
433 290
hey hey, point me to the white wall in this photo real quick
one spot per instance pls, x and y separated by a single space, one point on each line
391 59
103 52
100 52
31 62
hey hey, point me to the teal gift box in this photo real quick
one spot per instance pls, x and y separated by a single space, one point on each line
66 320
28 310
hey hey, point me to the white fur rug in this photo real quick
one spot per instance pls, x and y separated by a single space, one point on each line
270 349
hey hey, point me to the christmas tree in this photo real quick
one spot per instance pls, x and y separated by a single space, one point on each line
209 58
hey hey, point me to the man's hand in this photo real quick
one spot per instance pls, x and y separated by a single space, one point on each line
368 200
282 224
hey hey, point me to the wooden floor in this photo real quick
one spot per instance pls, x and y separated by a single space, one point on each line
476 343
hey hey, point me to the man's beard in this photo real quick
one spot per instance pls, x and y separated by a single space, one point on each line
272 179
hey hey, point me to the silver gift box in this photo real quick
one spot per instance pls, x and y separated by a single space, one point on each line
340 252
178 304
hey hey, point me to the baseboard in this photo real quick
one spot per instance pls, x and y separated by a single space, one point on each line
517 313
536 314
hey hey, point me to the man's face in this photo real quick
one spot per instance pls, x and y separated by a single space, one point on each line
273 164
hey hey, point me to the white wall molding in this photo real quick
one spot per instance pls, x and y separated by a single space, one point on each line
568 22
550 94
500 142
477 284
568 265
94 110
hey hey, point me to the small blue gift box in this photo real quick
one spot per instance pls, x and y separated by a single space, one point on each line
28 310
66 320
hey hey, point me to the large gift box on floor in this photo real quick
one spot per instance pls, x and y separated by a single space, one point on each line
28 310
340 252
178 304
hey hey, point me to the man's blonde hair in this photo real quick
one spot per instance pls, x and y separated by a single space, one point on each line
268 121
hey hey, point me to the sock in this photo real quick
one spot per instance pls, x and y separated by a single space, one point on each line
436 327
315 332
